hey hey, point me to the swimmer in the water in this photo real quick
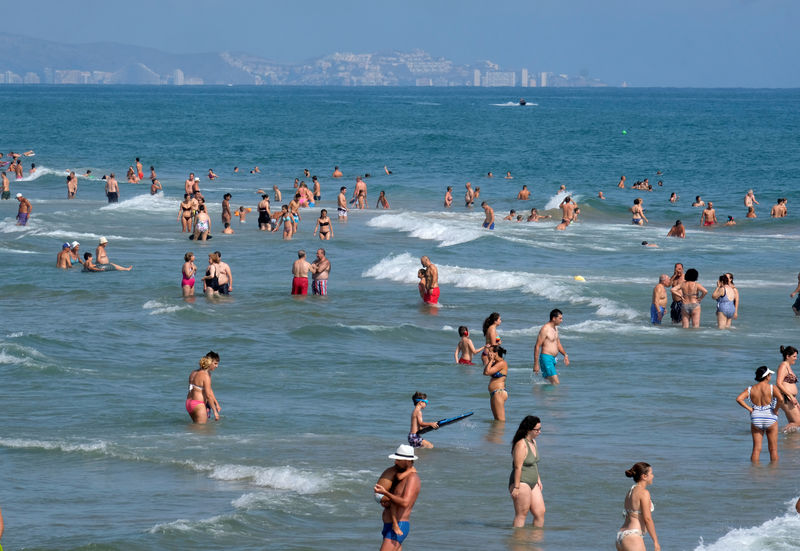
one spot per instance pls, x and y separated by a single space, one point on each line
488 222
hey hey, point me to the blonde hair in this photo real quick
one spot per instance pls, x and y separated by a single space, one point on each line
205 362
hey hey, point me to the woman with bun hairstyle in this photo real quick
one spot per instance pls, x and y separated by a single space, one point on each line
525 484
765 402
497 369
638 511
786 381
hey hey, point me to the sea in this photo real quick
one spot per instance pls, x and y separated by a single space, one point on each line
98 453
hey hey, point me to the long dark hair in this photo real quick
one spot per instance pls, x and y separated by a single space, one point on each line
525 427
787 351
488 322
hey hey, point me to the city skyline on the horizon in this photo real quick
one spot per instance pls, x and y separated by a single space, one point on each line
745 43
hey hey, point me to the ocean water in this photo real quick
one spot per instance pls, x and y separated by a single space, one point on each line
96 448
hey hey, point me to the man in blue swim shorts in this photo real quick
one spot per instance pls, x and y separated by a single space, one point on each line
488 222
399 500
659 304
548 346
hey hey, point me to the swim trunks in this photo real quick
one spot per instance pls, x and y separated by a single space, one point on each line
22 218
656 314
342 212
104 267
487 225
319 287
796 304
707 223
675 311
296 218
432 297
465 362
6 195
300 286
388 533
317 197
547 364
223 289
414 439
141 175
113 197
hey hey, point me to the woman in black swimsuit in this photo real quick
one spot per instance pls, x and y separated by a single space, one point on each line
324 226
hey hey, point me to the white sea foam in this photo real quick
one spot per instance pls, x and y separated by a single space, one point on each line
42 171
161 308
212 526
21 443
16 251
448 230
279 478
779 533
144 203
257 500
515 104
403 268
556 199
14 335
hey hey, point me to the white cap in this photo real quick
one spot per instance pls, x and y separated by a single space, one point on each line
103 240
74 244
19 195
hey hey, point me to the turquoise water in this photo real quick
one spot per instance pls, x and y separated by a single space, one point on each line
95 443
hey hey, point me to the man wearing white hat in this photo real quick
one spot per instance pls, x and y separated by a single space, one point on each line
24 210
101 258
402 496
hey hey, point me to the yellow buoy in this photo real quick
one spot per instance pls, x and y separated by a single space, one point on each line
579 278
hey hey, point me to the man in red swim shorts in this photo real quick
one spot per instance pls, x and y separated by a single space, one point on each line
431 294
300 270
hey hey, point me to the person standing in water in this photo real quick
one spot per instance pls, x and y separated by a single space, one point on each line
401 497
548 347
525 483
200 401
638 510
763 413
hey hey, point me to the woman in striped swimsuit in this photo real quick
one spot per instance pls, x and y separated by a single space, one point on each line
763 413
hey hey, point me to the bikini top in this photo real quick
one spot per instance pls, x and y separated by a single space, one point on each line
498 375
194 387
626 512
790 378
324 223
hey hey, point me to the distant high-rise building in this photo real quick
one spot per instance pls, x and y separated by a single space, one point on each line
48 75
500 78
542 79
178 77
31 78
476 78
523 81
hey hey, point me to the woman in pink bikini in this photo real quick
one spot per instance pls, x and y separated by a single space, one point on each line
200 401
187 275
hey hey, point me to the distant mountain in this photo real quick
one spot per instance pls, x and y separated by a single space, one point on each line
33 61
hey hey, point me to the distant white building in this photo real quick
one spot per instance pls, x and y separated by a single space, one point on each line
523 81
542 79
500 78
178 78
31 78
424 82
476 78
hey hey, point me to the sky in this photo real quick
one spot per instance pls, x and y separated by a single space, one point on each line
694 43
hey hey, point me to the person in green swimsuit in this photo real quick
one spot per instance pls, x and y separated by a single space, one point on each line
525 484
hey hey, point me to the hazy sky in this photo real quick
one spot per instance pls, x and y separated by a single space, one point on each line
701 43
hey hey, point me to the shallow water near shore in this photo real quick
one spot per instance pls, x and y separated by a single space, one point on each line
96 447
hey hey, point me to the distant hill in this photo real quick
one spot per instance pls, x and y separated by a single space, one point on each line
33 61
